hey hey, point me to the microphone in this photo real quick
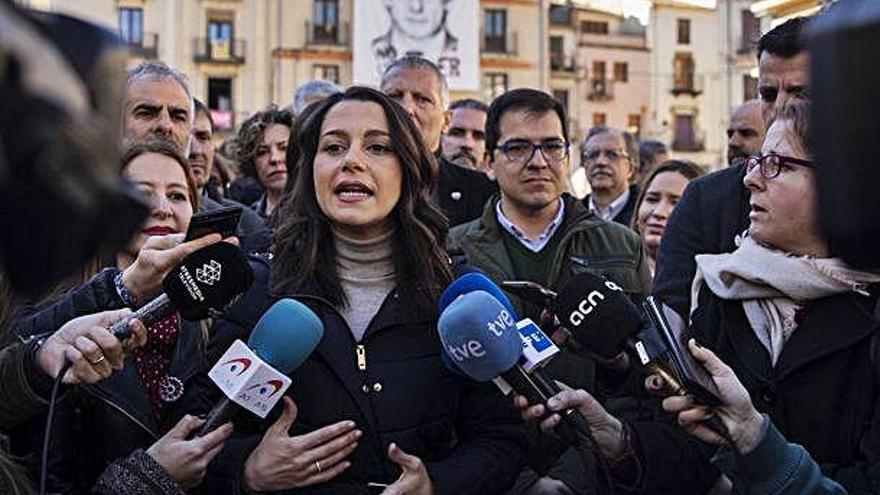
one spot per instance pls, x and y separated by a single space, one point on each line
206 279
255 376
603 320
482 338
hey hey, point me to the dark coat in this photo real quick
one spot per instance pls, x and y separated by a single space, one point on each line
96 424
626 214
461 192
469 436
712 212
823 392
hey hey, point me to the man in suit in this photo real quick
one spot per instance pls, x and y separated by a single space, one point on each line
714 209
610 157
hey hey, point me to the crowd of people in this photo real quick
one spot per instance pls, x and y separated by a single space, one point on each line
364 205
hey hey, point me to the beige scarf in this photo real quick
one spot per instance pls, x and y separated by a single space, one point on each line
773 285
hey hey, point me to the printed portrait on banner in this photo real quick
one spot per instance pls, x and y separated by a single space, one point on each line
443 31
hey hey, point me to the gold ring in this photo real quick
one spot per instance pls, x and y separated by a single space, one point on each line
97 361
318 467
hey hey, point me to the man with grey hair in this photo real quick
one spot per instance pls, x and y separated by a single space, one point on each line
609 156
157 103
420 88
312 92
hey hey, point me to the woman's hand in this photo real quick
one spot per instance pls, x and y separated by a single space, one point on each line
282 461
85 342
607 430
159 254
187 460
744 423
414 480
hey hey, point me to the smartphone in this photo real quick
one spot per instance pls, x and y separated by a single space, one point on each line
690 373
221 221
530 292
376 488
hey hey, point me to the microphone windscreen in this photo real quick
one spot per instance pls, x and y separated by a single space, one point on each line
480 335
286 334
471 282
207 279
598 314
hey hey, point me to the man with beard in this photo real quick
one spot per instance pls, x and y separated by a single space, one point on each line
745 134
609 156
251 231
419 86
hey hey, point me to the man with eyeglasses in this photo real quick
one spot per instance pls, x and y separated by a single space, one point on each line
714 209
533 230
610 157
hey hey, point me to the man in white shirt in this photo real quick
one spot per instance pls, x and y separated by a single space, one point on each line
609 156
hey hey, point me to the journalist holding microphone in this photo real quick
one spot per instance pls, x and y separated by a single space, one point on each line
373 409
133 407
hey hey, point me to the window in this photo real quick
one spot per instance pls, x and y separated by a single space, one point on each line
495 84
621 72
634 124
220 102
131 25
598 70
220 39
594 27
495 31
750 87
684 31
326 21
557 53
598 119
751 31
561 95
560 15
326 72
683 73
685 135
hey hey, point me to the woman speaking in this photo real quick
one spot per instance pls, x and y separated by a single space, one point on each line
373 407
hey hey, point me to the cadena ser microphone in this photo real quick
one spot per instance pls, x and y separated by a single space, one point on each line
255 376
603 320
207 279
481 337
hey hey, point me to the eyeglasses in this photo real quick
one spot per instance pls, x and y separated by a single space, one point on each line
613 155
521 152
771 165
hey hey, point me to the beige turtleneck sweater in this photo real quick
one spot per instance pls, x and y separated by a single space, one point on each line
366 271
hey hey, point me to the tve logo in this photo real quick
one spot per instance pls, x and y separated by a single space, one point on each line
467 350
502 323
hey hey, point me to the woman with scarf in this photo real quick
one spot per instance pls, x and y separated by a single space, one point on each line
135 406
794 323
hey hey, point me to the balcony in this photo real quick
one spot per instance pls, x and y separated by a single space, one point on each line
327 35
148 47
600 90
687 83
501 45
218 51
560 62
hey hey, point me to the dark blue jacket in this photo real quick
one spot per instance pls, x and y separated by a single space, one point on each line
469 436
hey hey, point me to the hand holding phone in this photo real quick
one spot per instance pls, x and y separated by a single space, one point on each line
223 221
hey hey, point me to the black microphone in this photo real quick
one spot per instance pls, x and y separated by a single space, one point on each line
206 279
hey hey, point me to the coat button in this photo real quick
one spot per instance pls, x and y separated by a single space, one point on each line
377 387
768 394
365 388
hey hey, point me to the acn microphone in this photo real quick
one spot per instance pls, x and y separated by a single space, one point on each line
206 279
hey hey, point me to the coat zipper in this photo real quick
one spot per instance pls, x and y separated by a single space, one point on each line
360 352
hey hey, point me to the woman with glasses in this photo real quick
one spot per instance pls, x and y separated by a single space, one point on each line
794 323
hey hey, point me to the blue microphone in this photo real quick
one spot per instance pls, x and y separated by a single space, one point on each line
284 337
481 337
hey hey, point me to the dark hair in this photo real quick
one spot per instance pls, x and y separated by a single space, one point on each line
166 148
648 149
201 108
251 132
530 100
305 253
785 40
686 168
469 103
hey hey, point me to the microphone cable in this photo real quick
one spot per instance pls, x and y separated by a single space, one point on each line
47 436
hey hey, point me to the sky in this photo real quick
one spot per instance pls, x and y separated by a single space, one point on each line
638 8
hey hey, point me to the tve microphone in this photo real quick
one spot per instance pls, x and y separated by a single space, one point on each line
482 338
282 340
206 279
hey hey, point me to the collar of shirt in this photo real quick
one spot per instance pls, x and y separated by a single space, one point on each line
543 238
613 209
